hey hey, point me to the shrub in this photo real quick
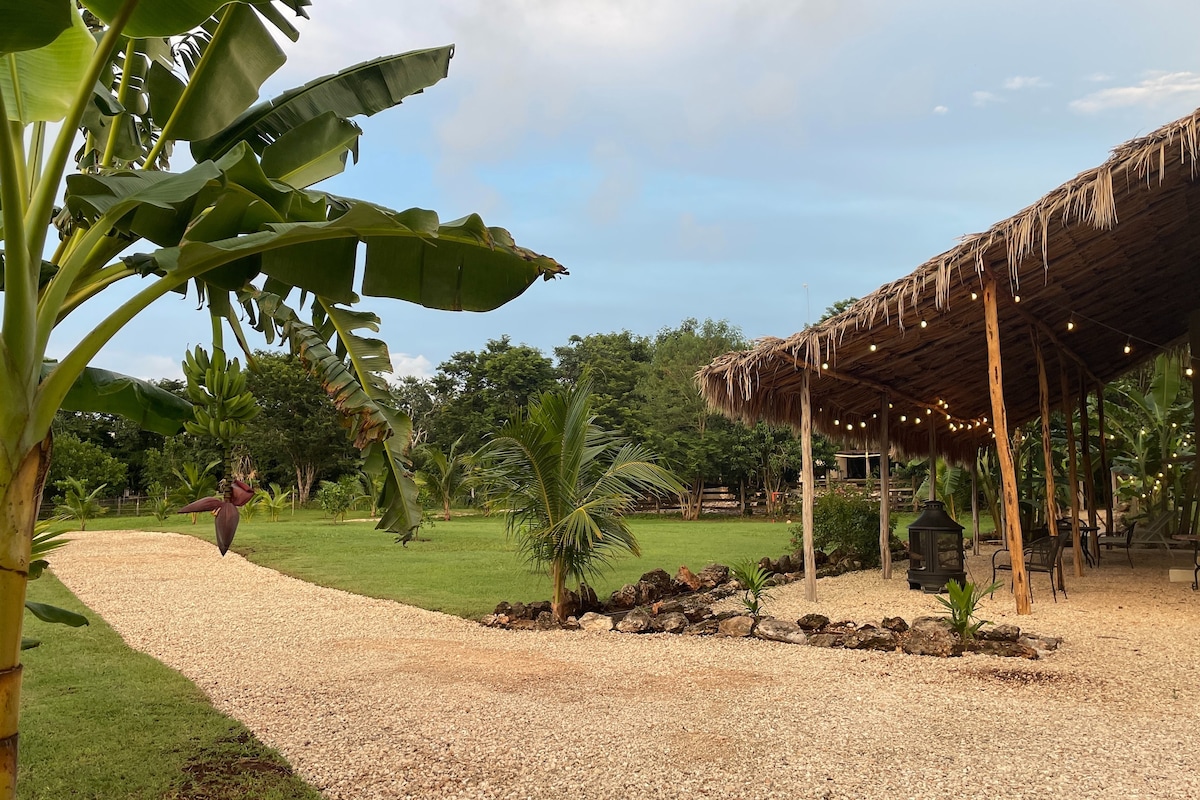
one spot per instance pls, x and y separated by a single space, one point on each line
753 579
962 605
338 497
845 517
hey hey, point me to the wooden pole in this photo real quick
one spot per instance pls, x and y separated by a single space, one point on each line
1194 348
1072 466
1085 444
975 504
1008 472
1047 450
1105 467
932 458
810 555
885 492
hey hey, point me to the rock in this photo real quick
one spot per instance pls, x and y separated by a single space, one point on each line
625 597
546 621
872 639
727 589
636 621
713 576
777 580
896 624
697 613
570 624
1002 647
766 566
706 628
785 564
929 636
738 626
519 611
493 620
533 610
674 622
503 608
596 623
660 579
1001 633
820 559
1043 644
724 615
587 599
647 593
812 622
667 607
522 625
571 605
686 580
825 640
779 630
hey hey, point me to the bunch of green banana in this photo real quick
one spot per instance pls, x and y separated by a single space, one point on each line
221 405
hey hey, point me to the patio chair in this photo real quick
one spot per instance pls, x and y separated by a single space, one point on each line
1154 532
1125 539
1041 555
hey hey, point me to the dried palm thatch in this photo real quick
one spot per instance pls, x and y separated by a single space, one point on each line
1115 252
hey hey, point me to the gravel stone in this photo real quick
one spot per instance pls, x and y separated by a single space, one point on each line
369 699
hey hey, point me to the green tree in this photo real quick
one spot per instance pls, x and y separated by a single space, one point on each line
445 476
699 445
476 393
614 364
121 87
78 503
282 449
87 462
566 485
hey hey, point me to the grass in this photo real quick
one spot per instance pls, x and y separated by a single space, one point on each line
100 721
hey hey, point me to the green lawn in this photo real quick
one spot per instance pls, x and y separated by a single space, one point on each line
100 721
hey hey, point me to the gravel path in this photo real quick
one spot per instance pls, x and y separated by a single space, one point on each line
372 699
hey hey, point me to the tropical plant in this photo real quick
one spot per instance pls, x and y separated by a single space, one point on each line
44 542
445 476
845 517
962 604
195 483
274 501
755 587
161 509
566 484
338 497
78 503
251 508
118 85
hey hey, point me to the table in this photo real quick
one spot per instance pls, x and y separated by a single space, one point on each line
1064 527
1195 540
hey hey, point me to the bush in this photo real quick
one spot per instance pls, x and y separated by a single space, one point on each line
336 498
845 517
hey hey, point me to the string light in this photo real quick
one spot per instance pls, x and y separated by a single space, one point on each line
862 424
924 324
1188 372
1071 323
917 420
974 296
903 418
1128 346
873 348
824 365
1016 298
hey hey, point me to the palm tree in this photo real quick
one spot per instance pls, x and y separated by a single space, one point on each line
445 475
565 485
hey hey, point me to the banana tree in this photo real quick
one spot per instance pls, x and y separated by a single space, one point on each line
109 91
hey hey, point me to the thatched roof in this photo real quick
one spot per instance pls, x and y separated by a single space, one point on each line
1116 250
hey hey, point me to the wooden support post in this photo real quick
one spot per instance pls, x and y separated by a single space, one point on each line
1072 466
932 458
810 555
885 492
1008 472
1047 450
1193 363
1105 467
1089 475
975 504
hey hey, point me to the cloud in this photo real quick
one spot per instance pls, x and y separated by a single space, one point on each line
1156 90
1099 77
699 240
941 110
619 184
405 365
1019 82
982 99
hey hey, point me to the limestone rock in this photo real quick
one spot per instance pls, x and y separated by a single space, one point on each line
825 640
686 580
636 621
812 622
713 576
872 639
779 630
929 636
1001 633
625 597
596 623
738 626
673 622
659 579
647 592
896 624
707 627
1002 647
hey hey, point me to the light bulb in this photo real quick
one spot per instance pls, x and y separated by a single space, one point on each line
1071 324
924 324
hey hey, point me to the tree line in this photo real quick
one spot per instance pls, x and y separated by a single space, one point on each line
643 388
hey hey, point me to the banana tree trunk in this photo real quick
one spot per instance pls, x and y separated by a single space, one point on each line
21 482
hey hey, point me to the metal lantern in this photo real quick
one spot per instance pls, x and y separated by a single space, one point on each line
935 549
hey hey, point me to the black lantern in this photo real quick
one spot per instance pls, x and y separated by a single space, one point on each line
935 549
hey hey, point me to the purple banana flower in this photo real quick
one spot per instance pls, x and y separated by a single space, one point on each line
225 510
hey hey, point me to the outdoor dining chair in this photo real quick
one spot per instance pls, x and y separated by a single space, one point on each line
1041 555
1125 539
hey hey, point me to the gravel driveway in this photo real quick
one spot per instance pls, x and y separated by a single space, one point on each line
372 699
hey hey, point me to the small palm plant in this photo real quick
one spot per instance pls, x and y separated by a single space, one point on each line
274 501
446 476
195 484
566 484
963 603
753 579
80 504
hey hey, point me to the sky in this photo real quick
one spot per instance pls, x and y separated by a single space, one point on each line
750 161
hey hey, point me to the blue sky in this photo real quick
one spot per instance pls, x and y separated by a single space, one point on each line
745 161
